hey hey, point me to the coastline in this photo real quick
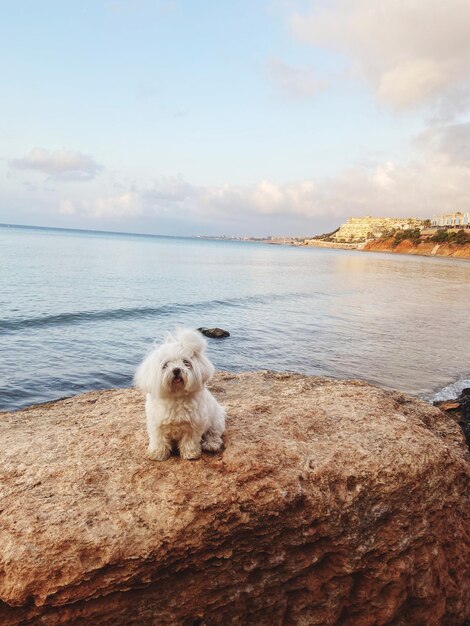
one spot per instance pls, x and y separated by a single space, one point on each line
422 248
450 392
314 243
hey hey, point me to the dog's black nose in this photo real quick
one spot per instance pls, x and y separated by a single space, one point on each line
176 371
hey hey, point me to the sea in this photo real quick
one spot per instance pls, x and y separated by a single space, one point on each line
80 309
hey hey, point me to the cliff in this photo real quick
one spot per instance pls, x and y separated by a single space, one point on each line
333 503
423 248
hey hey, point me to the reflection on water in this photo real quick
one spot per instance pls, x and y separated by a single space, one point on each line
78 311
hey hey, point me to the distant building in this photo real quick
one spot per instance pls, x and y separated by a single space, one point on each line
362 228
452 220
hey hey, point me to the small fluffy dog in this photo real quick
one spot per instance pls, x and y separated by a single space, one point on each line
179 408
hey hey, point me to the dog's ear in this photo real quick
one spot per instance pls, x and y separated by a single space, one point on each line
146 375
206 367
191 340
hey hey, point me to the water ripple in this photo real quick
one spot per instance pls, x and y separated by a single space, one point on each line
12 325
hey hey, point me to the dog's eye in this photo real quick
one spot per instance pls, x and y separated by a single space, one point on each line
187 363
165 365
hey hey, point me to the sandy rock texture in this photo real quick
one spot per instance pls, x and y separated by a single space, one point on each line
333 503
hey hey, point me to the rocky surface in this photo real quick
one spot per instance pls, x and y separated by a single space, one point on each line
424 248
333 503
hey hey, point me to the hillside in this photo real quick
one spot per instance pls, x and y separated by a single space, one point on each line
423 247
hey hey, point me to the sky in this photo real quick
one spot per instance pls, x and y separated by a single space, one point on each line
241 117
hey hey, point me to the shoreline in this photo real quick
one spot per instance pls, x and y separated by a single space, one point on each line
423 255
406 247
421 248
331 244
448 393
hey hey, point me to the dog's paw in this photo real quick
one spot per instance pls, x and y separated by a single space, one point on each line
212 441
213 444
158 454
190 452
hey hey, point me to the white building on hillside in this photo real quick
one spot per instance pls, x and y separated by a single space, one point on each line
452 220
359 229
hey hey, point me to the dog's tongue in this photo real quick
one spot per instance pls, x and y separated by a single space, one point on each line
177 380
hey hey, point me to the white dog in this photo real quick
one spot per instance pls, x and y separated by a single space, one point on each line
179 408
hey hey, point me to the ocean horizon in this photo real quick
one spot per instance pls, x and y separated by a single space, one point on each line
92 231
80 308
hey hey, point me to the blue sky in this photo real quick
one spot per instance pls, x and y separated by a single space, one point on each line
185 117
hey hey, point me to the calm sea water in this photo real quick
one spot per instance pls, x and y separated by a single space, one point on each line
78 311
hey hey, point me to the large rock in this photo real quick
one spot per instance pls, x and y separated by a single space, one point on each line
334 502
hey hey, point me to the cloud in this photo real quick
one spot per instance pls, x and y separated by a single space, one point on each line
296 83
119 207
180 199
412 52
435 179
266 198
171 188
451 143
60 165
427 185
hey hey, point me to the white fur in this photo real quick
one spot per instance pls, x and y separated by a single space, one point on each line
184 411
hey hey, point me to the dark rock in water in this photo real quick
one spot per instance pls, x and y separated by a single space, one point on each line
464 400
215 333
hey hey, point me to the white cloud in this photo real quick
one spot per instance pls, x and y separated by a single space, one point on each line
295 82
124 205
422 187
383 175
451 143
66 207
411 51
171 188
436 179
266 198
119 207
60 165
387 189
